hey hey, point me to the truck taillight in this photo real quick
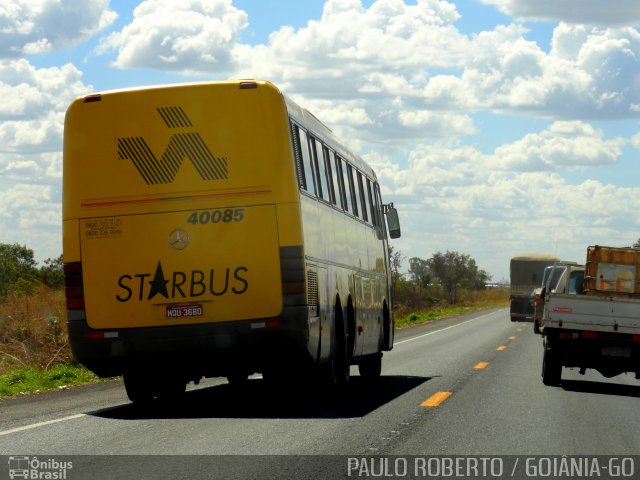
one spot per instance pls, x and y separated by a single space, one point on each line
589 334
568 335
73 287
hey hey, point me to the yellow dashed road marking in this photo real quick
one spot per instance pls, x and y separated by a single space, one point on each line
481 365
512 338
436 399
501 347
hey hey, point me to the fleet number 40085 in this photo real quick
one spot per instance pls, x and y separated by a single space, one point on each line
216 216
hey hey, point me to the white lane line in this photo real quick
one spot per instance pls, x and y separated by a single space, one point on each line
443 329
41 424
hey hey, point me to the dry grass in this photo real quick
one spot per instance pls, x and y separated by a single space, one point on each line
33 330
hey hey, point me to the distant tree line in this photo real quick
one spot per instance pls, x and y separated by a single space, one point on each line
19 272
451 271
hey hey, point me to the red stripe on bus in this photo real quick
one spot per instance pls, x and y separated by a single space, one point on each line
159 199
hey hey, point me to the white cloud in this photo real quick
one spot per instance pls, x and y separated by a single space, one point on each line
589 73
453 196
562 144
599 12
183 35
34 103
30 215
404 66
38 26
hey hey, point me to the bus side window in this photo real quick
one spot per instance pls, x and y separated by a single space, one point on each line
307 166
344 184
320 169
352 190
372 209
363 200
297 157
330 157
378 203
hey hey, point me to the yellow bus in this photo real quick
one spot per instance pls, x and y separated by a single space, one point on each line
219 229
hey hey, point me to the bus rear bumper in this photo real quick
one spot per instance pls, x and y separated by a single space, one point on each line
209 350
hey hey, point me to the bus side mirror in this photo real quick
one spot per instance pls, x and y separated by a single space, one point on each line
393 222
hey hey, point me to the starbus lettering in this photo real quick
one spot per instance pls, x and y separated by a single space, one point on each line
190 284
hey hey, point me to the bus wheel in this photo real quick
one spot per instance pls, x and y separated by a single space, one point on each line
238 379
341 362
172 389
335 373
138 387
370 367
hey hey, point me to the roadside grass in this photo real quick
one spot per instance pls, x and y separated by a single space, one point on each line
34 379
437 314
34 350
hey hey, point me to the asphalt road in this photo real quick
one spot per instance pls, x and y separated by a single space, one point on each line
469 385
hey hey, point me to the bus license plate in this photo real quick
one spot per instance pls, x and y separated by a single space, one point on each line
624 352
183 311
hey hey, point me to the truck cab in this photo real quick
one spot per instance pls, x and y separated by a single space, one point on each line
561 277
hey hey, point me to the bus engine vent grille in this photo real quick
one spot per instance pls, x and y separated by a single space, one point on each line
312 288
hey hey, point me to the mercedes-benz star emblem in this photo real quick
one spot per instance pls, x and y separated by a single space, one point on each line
179 239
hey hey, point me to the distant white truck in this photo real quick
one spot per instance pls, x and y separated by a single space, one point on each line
526 271
596 324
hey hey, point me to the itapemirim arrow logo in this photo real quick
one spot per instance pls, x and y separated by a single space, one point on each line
182 145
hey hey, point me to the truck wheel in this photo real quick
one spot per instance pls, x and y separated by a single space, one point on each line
536 327
551 369
370 367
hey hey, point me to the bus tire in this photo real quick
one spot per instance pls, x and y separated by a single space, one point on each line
138 387
341 359
337 371
237 379
370 366
172 389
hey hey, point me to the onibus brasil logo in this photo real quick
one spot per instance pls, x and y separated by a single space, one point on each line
184 144
34 468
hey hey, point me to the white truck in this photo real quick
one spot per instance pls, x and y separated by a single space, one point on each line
594 322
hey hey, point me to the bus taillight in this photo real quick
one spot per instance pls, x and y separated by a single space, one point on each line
73 286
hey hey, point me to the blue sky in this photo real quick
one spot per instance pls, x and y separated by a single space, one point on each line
496 126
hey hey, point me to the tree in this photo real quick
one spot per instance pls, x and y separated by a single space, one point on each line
475 279
454 270
52 274
419 272
395 258
16 264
